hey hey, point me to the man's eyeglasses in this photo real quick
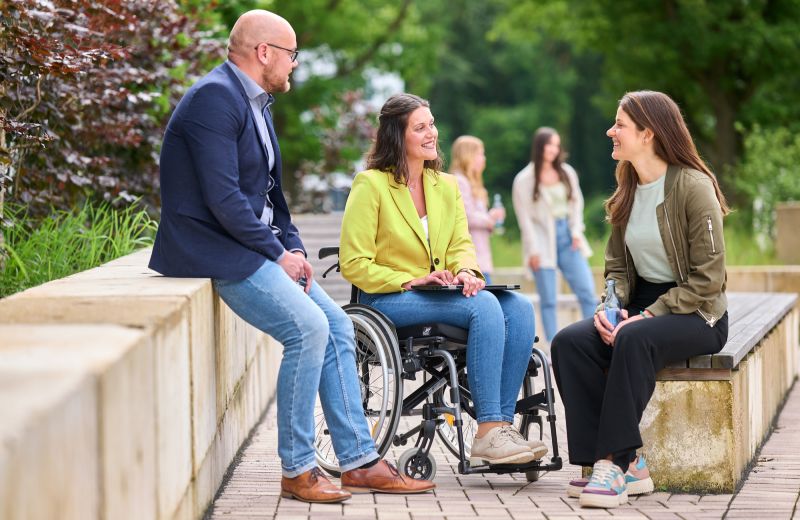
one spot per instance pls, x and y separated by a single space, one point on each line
292 52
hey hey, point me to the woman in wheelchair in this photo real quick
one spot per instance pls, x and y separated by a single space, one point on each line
405 226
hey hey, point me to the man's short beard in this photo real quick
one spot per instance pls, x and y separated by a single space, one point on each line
274 87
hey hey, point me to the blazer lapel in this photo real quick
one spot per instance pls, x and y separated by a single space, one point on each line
433 203
272 136
402 199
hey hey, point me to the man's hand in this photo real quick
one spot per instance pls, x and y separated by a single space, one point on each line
443 277
297 267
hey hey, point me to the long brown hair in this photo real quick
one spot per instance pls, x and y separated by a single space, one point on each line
541 137
388 152
672 143
462 160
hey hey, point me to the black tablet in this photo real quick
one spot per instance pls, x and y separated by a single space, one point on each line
492 287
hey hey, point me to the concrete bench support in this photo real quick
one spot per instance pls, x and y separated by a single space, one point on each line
124 394
706 421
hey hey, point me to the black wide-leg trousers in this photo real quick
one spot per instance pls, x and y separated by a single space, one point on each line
605 389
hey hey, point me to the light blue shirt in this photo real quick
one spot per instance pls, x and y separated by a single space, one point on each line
260 99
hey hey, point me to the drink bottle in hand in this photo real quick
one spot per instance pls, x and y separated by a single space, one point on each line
499 225
611 304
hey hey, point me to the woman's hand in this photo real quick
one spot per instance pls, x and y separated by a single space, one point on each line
626 321
576 243
534 262
443 277
497 214
472 284
605 329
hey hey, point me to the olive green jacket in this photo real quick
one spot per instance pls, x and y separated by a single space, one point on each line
690 223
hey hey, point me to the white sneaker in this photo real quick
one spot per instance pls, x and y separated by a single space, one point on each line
538 448
498 447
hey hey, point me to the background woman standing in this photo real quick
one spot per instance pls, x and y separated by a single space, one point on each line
549 207
467 162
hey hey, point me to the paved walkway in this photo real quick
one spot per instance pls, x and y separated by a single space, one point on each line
771 490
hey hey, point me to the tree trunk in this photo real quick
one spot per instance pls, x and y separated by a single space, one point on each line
725 144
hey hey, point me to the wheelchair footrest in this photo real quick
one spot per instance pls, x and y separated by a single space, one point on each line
537 465
532 402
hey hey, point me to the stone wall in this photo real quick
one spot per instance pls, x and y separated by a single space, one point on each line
124 394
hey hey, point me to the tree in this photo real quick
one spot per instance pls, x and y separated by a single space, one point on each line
723 62
501 89
342 44
86 88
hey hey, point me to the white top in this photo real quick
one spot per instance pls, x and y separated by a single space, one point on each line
424 221
642 236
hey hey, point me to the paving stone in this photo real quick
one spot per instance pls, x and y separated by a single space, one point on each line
771 490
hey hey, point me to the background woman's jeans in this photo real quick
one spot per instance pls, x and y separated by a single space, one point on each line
501 331
318 354
576 271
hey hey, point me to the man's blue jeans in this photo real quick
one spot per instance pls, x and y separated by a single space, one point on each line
501 331
576 271
318 355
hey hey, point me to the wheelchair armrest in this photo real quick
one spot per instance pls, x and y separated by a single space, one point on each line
325 252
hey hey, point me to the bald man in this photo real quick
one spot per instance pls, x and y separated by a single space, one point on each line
224 217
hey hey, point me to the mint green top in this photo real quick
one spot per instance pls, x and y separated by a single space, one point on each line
557 197
643 237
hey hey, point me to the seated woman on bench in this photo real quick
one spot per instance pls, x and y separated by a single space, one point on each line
666 255
405 225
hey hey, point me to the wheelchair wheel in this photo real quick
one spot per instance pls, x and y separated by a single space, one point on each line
378 368
417 465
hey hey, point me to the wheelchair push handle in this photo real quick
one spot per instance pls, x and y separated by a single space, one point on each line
325 252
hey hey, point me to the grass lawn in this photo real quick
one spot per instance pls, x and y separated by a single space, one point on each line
740 245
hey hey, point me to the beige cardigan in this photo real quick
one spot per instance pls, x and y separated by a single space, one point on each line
535 220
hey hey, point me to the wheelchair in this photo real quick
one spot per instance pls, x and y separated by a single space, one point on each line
387 356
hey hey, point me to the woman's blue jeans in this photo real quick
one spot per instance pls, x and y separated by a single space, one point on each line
501 332
576 271
318 355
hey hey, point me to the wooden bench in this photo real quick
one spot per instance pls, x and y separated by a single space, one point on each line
710 414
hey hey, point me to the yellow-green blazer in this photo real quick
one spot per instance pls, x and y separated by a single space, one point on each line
383 242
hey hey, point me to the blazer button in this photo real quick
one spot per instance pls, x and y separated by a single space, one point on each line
436 261
263 193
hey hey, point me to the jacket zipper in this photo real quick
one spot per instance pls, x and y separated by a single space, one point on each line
708 319
672 239
711 234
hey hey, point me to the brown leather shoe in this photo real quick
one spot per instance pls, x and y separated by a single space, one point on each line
382 478
312 486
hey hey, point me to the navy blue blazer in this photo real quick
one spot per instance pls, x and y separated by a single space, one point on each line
214 175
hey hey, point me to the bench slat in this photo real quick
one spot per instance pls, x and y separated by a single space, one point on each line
751 321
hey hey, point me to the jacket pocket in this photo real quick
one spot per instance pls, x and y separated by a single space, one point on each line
710 237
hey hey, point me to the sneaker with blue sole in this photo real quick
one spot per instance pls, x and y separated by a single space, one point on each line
606 487
637 479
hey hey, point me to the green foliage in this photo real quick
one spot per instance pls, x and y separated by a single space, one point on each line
69 241
769 174
341 44
723 62
85 89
